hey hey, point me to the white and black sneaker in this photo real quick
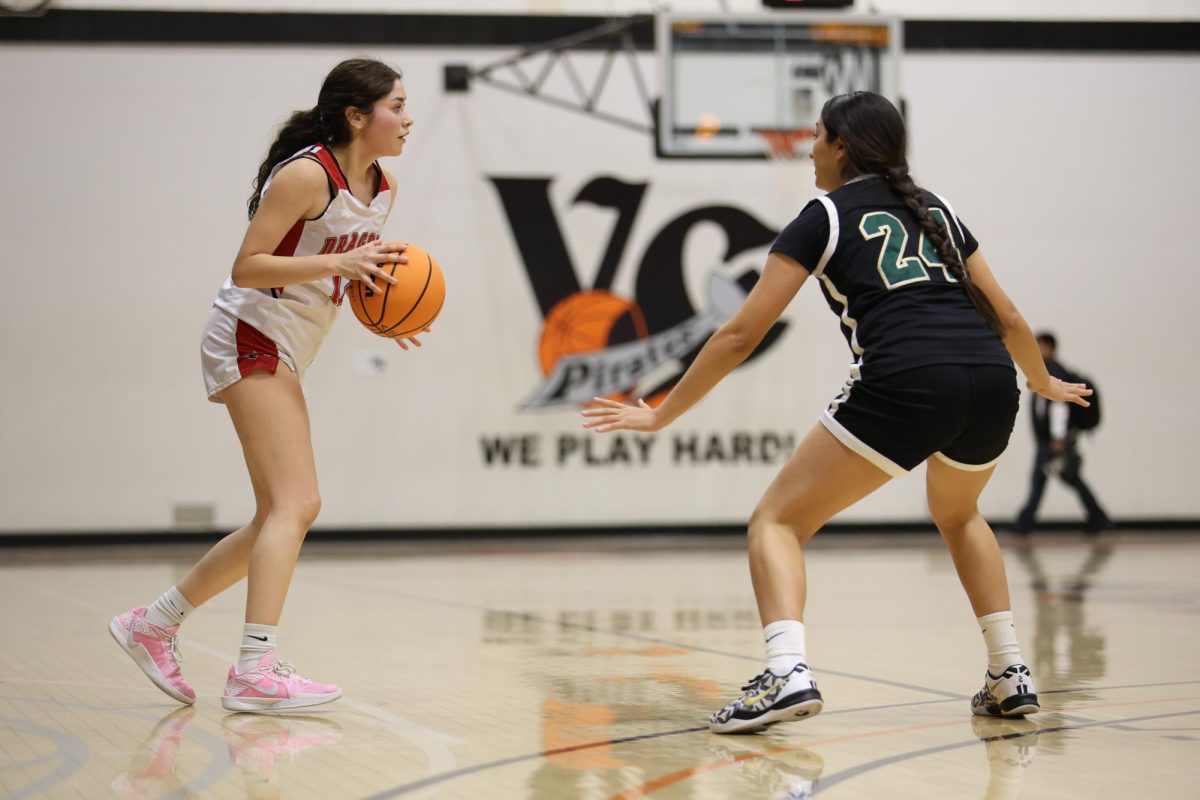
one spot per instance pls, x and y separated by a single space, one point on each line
1009 694
767 699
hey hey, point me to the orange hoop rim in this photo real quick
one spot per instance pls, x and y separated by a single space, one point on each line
786 144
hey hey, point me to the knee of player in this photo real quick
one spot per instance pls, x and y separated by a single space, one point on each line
766 523
301 508
951 519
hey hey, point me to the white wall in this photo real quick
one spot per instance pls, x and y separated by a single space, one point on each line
123 204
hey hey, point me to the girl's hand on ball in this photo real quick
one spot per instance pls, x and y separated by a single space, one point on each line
363 263
407 305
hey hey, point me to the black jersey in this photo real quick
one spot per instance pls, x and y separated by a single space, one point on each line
899 306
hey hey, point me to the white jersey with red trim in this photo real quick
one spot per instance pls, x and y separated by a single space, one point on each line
298 317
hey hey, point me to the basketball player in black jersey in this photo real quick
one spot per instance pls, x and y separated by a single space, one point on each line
933 338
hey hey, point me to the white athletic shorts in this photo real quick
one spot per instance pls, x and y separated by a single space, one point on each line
231 349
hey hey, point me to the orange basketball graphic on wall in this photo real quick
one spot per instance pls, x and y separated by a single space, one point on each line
588 321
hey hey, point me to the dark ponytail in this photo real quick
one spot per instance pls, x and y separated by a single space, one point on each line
301 130
876 142
354 83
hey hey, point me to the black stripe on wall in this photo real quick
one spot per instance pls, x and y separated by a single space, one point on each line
1111 37
203 27
1127 530
446 30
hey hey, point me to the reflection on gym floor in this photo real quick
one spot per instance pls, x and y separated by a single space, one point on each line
533 670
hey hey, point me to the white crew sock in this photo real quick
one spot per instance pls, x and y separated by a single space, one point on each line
169 610
1000 636
785 645
257 641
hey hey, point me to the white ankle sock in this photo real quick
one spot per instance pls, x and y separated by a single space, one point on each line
257 641
785 645
169 610
1000 636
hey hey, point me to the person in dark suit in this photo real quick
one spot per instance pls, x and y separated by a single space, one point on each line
1057 452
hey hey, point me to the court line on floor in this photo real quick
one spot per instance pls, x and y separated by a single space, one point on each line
503 762
414 731
90 684
434 744
1119 686
854 772
627 635
434 779
402 789
664 781
69 756
218 764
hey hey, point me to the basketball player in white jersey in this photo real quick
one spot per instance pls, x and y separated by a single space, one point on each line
319 204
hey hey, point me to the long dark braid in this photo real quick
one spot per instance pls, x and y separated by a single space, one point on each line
357 83
876 142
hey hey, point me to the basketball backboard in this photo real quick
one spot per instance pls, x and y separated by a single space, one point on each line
752 86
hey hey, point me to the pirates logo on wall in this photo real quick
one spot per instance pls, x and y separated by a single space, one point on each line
597 343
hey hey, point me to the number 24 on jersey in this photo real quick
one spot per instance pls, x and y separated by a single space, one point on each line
895 268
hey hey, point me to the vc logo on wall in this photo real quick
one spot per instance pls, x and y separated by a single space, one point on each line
597 343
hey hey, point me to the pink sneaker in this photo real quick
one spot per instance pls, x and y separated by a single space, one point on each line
273 685
154 649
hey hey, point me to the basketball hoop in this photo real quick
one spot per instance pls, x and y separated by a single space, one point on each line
786 144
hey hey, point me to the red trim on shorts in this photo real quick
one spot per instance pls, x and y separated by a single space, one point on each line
254 350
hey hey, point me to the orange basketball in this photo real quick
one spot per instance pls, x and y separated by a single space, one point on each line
405 308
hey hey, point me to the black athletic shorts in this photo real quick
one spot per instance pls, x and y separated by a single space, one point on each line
962 414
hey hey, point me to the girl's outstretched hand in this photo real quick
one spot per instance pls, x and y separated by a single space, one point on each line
1060 391
606 415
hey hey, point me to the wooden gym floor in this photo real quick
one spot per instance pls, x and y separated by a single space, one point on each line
585 669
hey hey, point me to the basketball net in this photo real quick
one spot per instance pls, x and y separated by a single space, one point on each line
787 144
